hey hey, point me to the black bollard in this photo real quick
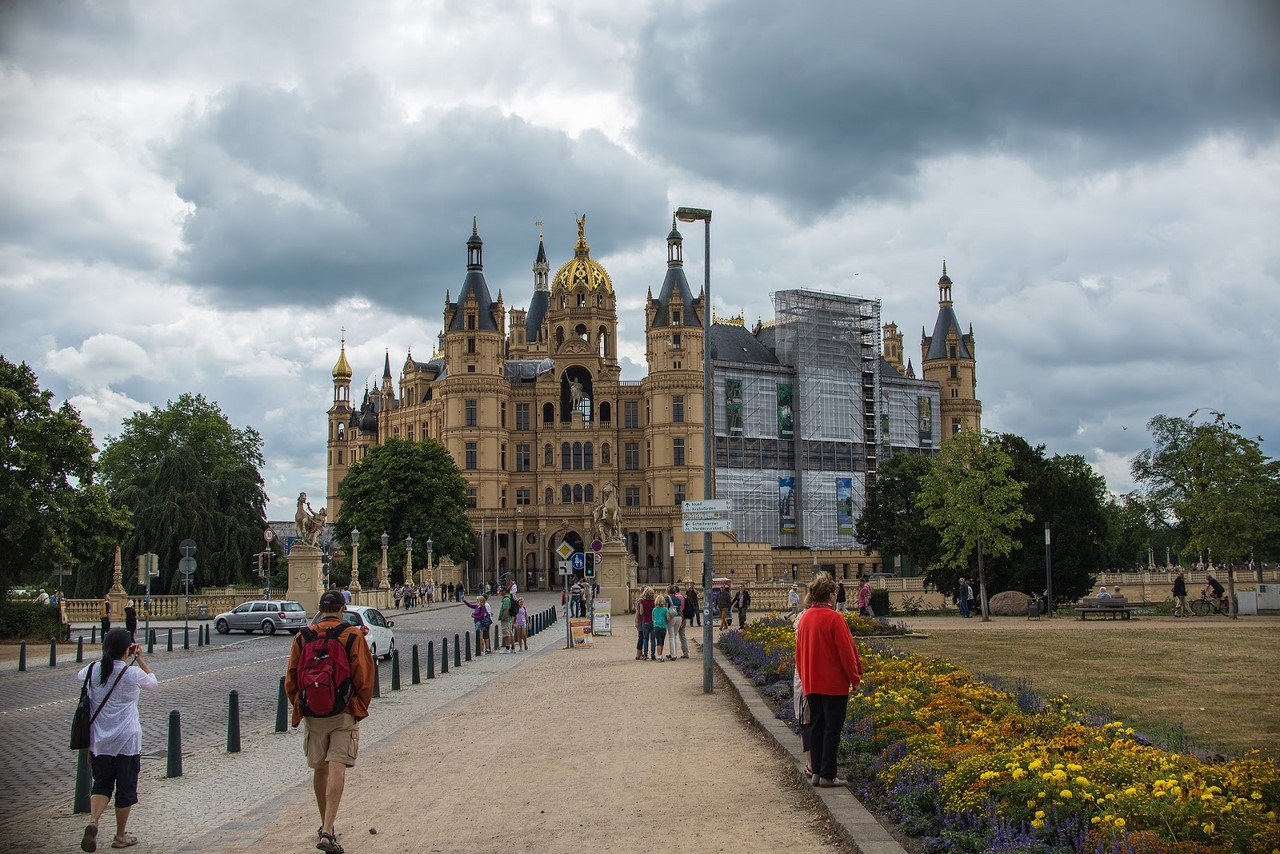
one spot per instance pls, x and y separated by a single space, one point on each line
415 674
170 649
377 679
395 669
233 722
84 782
282 709
186 638
151 641
53 652
80 650
479 646
467 650
457 651
431 659
199 637
174 753
22 656
444 656
208 638
93 635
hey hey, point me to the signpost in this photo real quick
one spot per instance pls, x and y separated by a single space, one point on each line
706 516
187 566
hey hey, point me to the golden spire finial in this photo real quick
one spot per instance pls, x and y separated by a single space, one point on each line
581 249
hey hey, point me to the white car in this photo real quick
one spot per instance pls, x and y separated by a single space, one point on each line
377 629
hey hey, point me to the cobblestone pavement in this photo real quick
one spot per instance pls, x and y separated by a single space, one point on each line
37 771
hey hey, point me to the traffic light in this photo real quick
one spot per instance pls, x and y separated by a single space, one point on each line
590 570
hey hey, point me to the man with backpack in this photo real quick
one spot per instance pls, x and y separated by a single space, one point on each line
507 619
329 682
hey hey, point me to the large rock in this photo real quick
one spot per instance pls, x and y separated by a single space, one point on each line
1010 603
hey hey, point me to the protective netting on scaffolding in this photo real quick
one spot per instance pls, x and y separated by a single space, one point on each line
758 507
832 502
910 413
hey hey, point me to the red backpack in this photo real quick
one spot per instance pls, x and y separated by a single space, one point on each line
324 672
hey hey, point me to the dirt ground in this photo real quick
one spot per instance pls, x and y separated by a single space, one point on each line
612 754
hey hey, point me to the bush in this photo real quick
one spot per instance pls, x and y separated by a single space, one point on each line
880 603
28 620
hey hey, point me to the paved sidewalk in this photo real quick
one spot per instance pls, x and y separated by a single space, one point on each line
614 754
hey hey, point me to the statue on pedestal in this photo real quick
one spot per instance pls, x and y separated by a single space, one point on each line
606 515
310 523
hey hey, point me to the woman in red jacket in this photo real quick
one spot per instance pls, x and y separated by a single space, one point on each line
829 667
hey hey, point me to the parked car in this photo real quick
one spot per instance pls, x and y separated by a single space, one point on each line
377 629
269 615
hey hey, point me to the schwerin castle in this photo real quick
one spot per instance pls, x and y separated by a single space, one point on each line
532 406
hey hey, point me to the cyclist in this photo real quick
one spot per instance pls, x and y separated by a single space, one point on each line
1215 589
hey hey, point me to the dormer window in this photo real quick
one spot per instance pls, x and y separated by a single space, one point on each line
675 318
471 321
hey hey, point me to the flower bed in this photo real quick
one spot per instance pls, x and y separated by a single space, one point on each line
964 766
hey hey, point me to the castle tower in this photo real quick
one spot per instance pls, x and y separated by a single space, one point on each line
948 358
893 347
340 414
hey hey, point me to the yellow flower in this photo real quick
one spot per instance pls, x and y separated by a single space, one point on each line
1094 820
1119 822
1040 795
1037 823
1131 791
1081 781
1039 813
1030 803
1036 765
1065 794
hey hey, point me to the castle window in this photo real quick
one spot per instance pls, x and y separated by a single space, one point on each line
631 456
502 457
522 416
339 457
606 413
955 426
566 457
471 497
679 493
675 317
522 458
471 456
632 496
676 365
604 454
631 413
523 498
471 345
648 454
677 451
953 372
566 494
471 369
470 407
677 408
471 321
410 432
582 300
589 493
548 413
675 341
577 493
395 432
952 350
587 456
577 456
502 415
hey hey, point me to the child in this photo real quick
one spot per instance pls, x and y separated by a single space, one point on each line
522 622
659 624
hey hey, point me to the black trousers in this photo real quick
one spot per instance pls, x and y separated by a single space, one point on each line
826 715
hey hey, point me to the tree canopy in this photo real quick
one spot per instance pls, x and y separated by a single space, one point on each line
185 472
892 522
404 489
974 503
55 515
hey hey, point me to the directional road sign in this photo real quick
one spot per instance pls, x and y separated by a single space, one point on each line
705 516
187 565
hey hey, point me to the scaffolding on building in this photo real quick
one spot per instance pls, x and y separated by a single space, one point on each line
832 342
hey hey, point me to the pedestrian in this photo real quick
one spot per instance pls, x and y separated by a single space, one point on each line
332 734
660 614
507 621
644 607
741 602
963 595
522 626
722 604
104 613
1180 594
43 598
346 596
676 622
691 610
801 710
131 620
841 597
829 667
481 619
793 600
864 598
575 599
115 738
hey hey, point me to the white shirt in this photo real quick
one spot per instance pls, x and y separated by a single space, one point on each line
117 730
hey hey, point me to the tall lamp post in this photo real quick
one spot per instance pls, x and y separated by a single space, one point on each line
326 547
1048 573
708 428
431 567
382 570
408 559
355 560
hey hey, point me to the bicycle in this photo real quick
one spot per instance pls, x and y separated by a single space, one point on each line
1206 605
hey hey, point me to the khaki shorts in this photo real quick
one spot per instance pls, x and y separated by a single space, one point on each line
507 629
335 739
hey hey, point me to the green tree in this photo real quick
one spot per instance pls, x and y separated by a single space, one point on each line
1129 533
405 489
972 501
54 513
185 472
892 521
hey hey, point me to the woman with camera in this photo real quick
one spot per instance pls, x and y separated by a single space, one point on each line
115 746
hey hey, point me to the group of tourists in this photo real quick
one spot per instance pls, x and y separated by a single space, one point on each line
512 620
661 617
414 595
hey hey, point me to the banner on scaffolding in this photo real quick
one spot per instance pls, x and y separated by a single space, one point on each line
924 419
786 418
787 505
844 506
733 406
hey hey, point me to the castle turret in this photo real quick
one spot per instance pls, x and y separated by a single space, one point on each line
948 359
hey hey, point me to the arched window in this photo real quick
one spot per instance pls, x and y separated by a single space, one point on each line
577 456
560 332
587 457
566 494
566 457
582 300
577 493
604 454
548 413
602 340
606 413
589 493
549 497
581 331
548 457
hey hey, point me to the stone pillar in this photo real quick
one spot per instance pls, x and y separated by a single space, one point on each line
615 575
306 575
117 594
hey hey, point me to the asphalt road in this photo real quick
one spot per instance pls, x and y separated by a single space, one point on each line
37 771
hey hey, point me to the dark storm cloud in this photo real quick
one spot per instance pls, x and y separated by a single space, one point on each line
297 198
816 101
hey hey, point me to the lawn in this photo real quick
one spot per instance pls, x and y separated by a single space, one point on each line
1216 677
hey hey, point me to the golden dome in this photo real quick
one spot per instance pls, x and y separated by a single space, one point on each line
581 270
342 370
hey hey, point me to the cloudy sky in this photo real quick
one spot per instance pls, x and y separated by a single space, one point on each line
200 196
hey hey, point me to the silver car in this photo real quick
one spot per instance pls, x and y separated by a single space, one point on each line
269 615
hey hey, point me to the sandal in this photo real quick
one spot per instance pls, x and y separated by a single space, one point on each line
89 842
329 842
808 772
125 841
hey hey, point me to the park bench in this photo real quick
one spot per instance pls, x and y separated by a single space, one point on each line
1117 607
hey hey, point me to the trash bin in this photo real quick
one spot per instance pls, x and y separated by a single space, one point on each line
202 612
1033 609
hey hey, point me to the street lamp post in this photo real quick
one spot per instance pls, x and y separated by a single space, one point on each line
355 560
408 559
325 557
382 570
1048 573
431 567
708 428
